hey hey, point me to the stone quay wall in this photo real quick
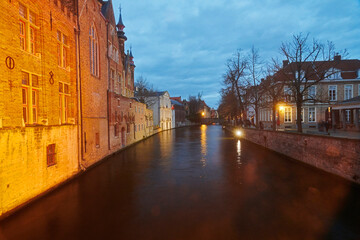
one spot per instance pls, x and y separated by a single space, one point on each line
340 156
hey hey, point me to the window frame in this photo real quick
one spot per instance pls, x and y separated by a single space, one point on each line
64 103
314 112
94 51
351 91
329 95
30 29
287 120
32 98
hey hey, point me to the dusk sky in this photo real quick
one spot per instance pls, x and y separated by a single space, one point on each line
182 46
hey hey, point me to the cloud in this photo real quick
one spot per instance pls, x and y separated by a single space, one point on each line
182 46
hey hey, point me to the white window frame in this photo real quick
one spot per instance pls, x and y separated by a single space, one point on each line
347 115
351 89
287 120
310 95
332 90
333 74
314 118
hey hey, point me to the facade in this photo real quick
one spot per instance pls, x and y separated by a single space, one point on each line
38 99
66 95
341 85
160 104
178 112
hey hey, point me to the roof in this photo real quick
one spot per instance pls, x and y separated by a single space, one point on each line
350 103
316 70
174 102
107 11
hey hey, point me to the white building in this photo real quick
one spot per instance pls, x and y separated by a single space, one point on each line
160 103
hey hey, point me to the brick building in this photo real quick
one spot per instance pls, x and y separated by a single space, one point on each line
65 93
38 99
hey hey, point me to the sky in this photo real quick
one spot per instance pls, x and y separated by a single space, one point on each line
182 45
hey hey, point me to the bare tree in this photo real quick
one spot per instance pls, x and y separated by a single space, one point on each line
255 73
307 63
144 91
235 78
228 106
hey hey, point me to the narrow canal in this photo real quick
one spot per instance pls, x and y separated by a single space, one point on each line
194 183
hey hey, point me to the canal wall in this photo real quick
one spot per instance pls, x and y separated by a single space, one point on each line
339 156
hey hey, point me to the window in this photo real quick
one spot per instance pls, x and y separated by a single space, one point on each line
28 29
30 88
112 78
347 115
359 90
333 93
312 92
312 114
51 155
287 94
287 115
118 87
62 49
348 92
94 52
64 96
302 75
97 140
333 73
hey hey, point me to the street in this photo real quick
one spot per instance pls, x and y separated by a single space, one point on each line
194 183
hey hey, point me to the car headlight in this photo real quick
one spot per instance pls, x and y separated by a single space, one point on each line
238 133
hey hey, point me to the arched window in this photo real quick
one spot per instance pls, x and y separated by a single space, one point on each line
94 52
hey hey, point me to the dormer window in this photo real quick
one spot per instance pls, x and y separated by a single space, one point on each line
358 75
302 75
333 73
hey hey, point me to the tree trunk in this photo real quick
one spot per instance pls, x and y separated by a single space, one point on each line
256 115
298 115
274 123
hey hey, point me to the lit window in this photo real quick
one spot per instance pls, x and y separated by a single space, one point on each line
30 88
348 92
64 96
287 115
94 52
312 114
332 93
28 29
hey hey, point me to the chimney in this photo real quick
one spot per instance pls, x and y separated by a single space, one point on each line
285 63
337 57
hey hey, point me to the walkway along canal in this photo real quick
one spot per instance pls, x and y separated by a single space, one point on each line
194 183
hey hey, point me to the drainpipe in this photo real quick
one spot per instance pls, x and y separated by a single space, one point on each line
78 91
109 84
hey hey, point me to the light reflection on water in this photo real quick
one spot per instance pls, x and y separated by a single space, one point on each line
238 151
203 145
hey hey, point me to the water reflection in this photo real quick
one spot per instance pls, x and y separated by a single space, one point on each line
190 185
238 151
203 145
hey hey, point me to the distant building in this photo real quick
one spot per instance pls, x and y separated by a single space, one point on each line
332 97
160 104
178 112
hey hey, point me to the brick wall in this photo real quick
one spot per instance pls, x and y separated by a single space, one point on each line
339 156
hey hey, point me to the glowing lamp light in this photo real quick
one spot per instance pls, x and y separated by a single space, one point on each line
281 108
238 133
202 114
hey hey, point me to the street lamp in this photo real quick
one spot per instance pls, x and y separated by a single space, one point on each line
203 114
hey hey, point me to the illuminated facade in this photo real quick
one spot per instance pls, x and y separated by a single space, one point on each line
65 95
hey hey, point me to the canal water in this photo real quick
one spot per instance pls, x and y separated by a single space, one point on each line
194 183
